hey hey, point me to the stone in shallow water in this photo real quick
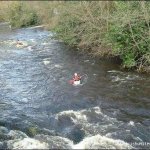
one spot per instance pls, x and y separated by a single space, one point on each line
32 131
75 133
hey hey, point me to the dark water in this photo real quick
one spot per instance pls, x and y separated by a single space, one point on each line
35 94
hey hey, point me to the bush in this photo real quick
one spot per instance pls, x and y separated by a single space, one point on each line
83 24
103 28
130 36
21 15
66 30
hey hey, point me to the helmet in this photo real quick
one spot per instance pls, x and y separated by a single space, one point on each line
75 74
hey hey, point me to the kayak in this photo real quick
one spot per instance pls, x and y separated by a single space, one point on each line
80 82
75 82
21 44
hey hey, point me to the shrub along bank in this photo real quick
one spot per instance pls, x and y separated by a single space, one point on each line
109 29
102 28
18 13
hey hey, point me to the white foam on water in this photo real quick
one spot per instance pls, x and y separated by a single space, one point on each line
58 66
9 42
33 40
46 141
81 116
17 134
44 43
118 76
74 115
55 141
114 71
95 140
100 142
116 79
25 100
106 117
131 77
90 127
29 143
46 62
131 123
29 48
97 110
86 60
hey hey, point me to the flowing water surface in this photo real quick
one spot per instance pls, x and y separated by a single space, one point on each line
111 109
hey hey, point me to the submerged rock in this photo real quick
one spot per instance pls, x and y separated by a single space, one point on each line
32 131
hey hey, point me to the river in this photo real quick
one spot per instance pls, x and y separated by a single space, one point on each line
40 109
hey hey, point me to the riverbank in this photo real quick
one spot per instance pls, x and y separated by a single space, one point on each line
102 29
108 29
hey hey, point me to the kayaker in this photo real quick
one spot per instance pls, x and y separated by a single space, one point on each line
76 77
19 42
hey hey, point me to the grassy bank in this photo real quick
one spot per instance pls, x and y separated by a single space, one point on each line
108 29
102 28
18 13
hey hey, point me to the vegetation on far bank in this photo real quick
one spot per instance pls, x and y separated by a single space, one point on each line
19 14
102 28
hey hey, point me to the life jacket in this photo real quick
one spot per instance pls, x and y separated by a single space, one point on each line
76 78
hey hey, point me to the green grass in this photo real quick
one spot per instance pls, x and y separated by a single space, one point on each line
19 14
